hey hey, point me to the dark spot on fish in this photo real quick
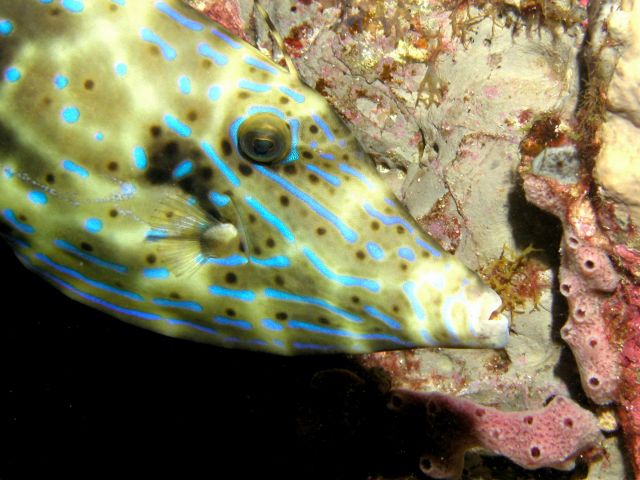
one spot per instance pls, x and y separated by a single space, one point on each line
404 267
155 131
324 321
231 277
243 95
207 64
113 213
321 230
175 295
245 169
284 200
89 84
242 248
307 154
279 281
169 214
151 259
290 169
284 100
400 229
252 218
395 308
313 129
271 242
425 254
313 178
375 225
86 247
171 148
154 50
55 12
50 178
22 218
257 250
360 254
345 156
192 116
282 316
226 147
230 312
112 166
206 173
113 7
355 299
47 101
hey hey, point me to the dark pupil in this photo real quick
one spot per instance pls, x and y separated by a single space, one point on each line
263 146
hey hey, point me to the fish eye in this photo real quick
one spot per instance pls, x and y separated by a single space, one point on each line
264 138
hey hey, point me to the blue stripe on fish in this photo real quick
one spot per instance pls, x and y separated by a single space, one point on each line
350 235
122 310
156 273
244 295
357 174
254 62
271 219
178 18
226 39
295 96
406 253
168 51
181 304
332 179
387 219
253 86
140 157
230 322
10 216
279 261
325 128
73 167
177 125
66 246
345 280
207 51
310 327
93 283
318 302
377 314
220 164
432 250
409 289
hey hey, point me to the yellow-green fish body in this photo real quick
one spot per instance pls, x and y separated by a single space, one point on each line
158 168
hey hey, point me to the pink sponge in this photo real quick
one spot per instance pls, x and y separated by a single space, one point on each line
550 437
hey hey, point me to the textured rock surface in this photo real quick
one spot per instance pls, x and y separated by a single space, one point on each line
617 167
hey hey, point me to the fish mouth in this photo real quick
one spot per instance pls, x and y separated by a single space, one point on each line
489 327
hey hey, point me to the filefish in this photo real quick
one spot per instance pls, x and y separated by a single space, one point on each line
158 168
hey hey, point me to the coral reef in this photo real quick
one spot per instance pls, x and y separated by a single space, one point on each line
587 277
552 436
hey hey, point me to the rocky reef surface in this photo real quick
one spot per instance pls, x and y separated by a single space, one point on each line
510 130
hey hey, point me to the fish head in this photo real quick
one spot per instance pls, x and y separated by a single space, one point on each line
304 196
